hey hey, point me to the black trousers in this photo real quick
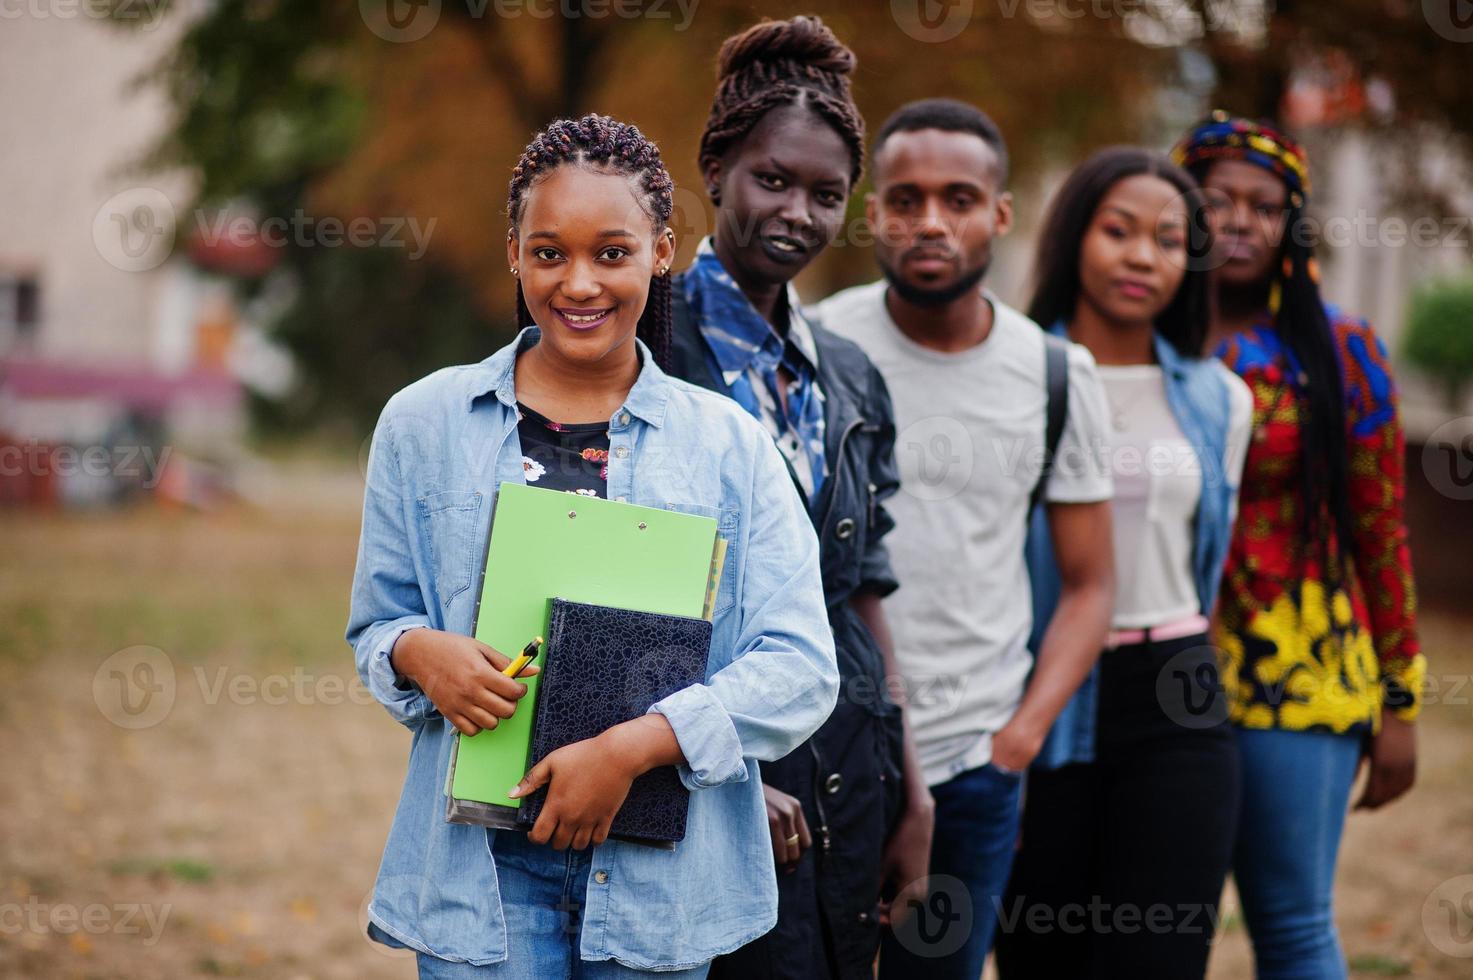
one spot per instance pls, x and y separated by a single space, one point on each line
1122 860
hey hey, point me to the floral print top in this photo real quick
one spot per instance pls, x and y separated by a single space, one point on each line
559 456
1302 651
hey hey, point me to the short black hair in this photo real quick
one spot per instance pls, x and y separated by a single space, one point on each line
949 116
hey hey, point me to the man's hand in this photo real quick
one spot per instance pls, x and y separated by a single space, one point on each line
908 860
790 836
461 676
588 781
1015 746
1392 762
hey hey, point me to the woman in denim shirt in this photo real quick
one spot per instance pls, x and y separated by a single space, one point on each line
590 246
1126 847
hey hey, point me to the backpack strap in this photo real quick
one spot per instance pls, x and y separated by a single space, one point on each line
1056 385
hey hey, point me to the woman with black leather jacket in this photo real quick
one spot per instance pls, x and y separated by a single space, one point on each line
849 812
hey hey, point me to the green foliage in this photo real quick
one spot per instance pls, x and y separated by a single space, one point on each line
183 869
261 96
1376 965
268 104
1439 334
366 322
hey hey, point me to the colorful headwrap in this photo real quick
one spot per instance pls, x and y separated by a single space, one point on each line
1225 137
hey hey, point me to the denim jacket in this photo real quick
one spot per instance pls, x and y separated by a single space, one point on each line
1198 396
442 447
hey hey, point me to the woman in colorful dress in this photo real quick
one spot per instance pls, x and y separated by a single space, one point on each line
1316 619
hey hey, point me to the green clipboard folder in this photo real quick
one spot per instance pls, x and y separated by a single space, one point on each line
548 544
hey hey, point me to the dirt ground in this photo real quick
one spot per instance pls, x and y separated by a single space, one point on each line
195 785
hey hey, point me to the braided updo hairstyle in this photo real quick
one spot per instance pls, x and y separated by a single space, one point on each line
776 63
604 145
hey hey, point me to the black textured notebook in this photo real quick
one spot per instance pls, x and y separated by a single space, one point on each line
605 666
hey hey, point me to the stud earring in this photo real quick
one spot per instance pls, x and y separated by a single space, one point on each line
514 271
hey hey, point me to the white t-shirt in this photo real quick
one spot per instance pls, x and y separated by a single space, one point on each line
1158 485
970 441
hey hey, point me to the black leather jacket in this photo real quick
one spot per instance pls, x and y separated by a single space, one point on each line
848 775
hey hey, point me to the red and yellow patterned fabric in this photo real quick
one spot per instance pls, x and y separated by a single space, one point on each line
1300 652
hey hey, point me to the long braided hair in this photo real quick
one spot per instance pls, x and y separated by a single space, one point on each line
1300 319
606 145
776 63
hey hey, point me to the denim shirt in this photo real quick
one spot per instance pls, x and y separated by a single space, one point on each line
442 447
1199 400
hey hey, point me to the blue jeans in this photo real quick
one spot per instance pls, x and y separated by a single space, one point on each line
542 894
948 938
1296 789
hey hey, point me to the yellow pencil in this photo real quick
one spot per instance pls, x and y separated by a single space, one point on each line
528 654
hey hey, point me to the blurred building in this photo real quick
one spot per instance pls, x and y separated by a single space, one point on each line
114 342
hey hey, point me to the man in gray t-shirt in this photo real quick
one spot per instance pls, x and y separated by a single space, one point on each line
967 378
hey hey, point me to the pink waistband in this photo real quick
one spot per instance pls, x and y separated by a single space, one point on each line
1166 631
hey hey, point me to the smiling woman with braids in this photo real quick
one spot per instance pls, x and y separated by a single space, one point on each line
579 403
781 151
1321 660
